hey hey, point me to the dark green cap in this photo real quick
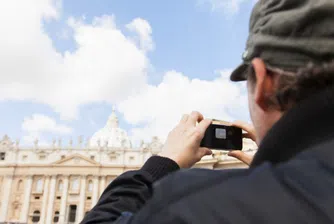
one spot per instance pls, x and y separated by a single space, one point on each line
289 34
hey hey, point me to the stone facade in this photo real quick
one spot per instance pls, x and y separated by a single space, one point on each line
59 184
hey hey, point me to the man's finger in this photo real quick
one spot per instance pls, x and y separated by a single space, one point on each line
205 152
243 157
247 135
243 125
246 127
184 118
193 118
208 152
203 125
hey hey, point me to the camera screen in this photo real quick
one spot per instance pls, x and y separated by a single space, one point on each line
220 133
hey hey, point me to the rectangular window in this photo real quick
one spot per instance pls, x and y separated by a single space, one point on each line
2 156
56 217
113 158
75 184
58 197
72 213
39 185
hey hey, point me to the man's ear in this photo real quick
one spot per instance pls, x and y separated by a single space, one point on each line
264 85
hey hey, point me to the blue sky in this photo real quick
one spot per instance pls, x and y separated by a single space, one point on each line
191 47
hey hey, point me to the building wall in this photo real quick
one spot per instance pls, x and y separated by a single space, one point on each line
49 180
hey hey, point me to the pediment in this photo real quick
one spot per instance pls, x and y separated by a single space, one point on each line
76 160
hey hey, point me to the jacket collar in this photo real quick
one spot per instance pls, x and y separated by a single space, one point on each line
307 124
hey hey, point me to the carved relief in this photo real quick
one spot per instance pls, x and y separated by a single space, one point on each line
155 144
6 144
54 143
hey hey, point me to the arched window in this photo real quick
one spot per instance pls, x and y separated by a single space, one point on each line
56 217
19 185
90 186
75 184
36 216
60 185
39 185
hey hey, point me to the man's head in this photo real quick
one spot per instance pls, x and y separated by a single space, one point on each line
289 56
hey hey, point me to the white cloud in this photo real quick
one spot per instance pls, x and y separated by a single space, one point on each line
144 31
228 6
158 108
38 124
106 66
43 123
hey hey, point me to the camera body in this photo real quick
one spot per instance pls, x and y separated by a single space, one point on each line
222 137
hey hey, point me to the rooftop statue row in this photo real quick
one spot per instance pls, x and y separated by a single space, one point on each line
110 136
6 143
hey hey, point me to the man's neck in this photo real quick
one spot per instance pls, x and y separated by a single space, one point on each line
271 119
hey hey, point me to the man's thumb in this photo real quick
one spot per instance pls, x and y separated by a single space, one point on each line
243 157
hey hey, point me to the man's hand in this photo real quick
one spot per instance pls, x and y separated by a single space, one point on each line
243 157
183 142
250 133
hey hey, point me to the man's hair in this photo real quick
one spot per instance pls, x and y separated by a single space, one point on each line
296 85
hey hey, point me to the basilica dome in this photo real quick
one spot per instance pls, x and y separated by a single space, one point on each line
111 135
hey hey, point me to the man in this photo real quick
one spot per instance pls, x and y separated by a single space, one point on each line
289 68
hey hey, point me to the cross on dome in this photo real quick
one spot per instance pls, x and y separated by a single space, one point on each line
113 119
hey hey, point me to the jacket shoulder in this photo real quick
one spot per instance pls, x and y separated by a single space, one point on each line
260 195
193 180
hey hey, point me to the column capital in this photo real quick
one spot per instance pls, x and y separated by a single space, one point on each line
28 176
10 176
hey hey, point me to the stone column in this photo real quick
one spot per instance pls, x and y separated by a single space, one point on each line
95 190
102 184
51 201
26 200
63 202
82 197
45 199
7 186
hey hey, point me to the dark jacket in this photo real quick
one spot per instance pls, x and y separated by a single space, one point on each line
291 180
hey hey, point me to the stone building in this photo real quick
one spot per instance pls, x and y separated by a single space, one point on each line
59 184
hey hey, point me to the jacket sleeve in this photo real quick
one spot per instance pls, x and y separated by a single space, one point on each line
128 193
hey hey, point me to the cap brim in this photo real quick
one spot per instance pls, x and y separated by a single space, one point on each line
239 74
